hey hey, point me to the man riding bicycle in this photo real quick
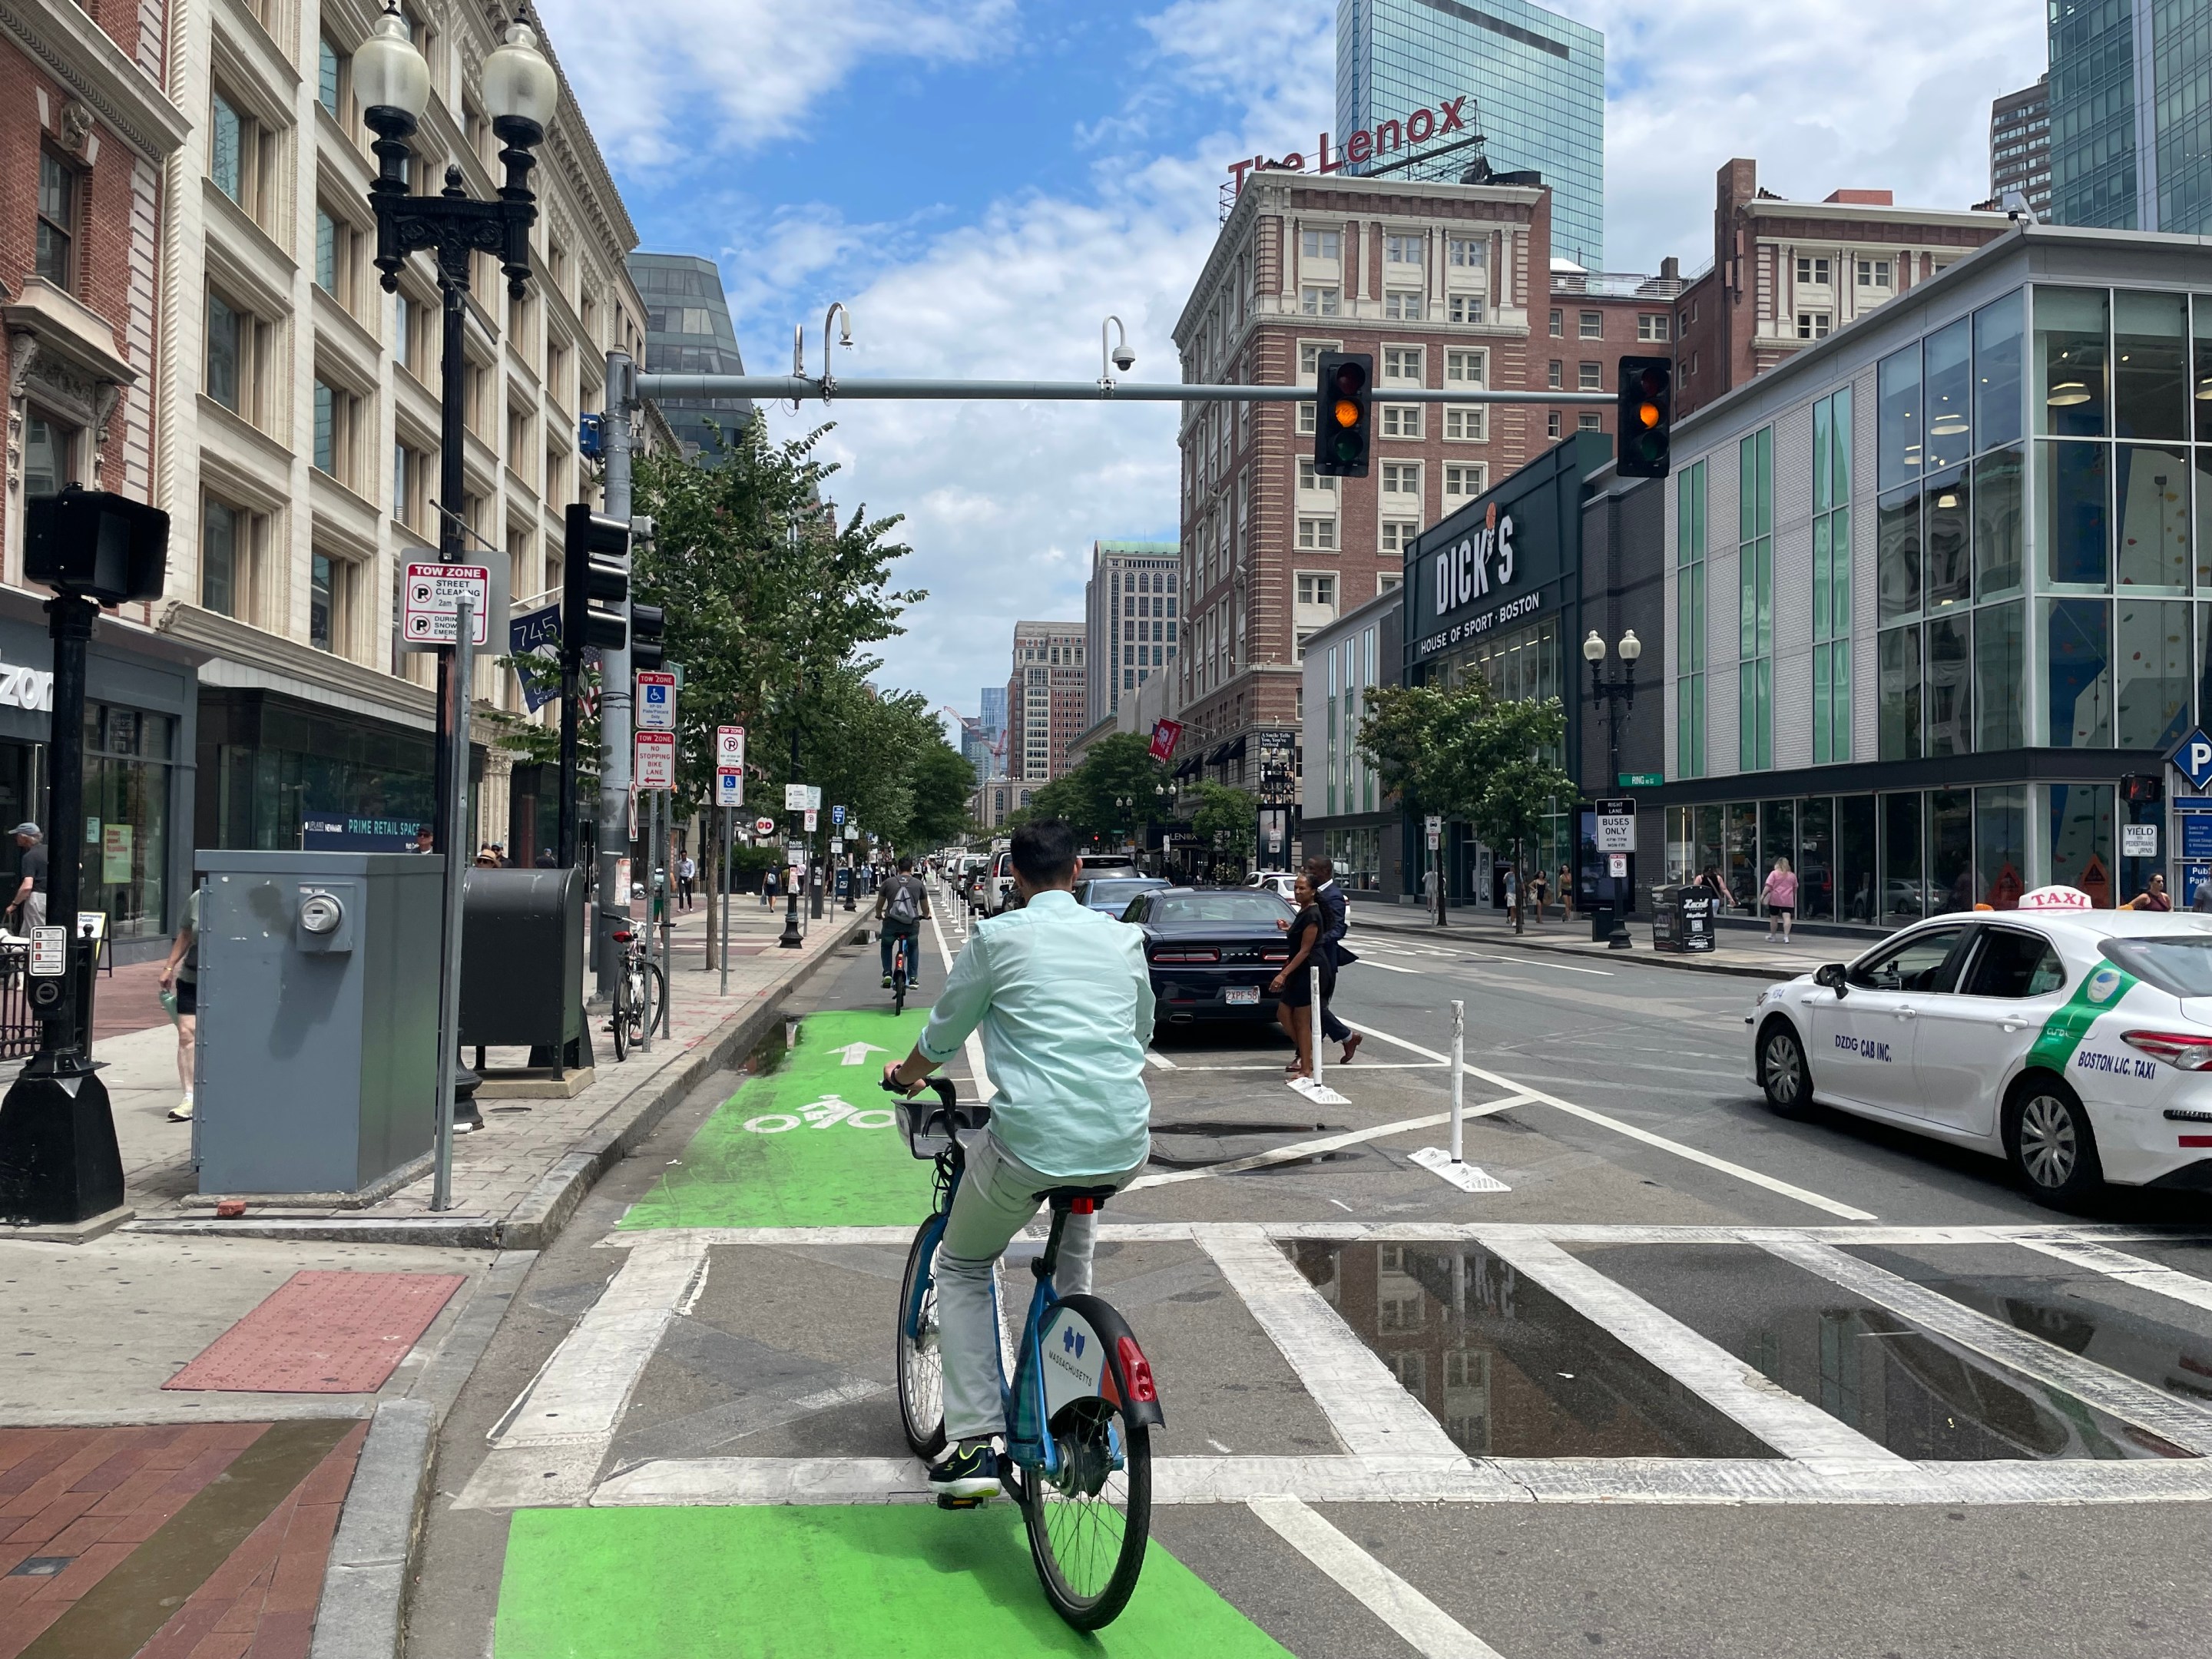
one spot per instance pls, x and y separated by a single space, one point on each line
1063 1000
903 905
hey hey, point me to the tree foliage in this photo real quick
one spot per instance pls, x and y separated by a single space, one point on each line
1466 753
1117 791
1226 820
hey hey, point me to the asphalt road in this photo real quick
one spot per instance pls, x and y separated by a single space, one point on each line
1875 1424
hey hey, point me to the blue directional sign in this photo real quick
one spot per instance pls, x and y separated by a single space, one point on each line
837 815
538 632
2192 757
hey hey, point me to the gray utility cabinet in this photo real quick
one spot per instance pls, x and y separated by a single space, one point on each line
317 1062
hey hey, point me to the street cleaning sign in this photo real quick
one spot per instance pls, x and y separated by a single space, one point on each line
431 597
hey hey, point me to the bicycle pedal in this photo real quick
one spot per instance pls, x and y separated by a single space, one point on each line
948 1502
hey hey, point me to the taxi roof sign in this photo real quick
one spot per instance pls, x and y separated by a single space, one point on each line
2055 898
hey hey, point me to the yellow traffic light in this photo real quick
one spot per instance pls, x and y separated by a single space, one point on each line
1347 412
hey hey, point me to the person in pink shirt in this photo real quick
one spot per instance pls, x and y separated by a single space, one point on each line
1781 896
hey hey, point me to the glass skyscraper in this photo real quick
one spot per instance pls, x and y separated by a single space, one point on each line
687 332
2130 81
1537 81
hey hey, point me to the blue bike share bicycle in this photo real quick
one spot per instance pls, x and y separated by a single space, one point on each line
1080 1411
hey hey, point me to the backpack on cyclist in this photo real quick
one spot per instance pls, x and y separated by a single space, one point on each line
903 908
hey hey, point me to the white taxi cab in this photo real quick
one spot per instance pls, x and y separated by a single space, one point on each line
2075 1042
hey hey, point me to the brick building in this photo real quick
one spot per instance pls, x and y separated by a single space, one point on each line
1048 698
1785 274
1596 319
1447 285
84 130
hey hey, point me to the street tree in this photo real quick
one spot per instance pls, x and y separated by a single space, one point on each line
1226 821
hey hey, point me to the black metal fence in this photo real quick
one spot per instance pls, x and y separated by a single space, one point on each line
19 1031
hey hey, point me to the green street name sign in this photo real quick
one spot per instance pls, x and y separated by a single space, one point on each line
1642 779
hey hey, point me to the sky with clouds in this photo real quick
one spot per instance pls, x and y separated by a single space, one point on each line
981 181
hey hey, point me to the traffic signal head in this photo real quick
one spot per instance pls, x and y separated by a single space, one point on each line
1343 413
594 585
1644 419
646 624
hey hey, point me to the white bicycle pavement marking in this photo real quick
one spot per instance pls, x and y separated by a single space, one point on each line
1696 1155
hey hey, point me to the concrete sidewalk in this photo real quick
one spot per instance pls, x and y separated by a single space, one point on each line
516 1180
1741 952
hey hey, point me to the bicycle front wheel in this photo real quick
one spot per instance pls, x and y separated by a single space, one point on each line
1088 1524
618 1021
920 1365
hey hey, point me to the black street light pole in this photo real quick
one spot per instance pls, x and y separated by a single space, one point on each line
1618 697
519 87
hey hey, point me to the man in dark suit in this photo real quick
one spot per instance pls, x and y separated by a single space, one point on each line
1336 908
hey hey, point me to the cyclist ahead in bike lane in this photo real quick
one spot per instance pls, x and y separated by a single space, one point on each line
1063 1002
903 905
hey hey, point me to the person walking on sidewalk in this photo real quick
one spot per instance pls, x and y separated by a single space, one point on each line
1063 999
1566 894
180 982
1781 896
29 904
903 905
768 888
1336 909
687 879
1538 893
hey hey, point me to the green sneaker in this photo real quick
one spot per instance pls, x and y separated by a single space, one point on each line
963 1480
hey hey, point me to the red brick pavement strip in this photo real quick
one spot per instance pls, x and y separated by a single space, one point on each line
129 999
322 1332
261 1603
91 1494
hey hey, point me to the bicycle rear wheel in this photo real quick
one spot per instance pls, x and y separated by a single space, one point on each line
618 1022
1088 1525
920 1366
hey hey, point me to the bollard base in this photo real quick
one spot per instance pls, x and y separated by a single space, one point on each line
59 1164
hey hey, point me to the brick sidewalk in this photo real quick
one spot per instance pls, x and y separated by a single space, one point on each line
514 1179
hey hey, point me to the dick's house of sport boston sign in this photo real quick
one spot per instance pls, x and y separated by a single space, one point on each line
1503 560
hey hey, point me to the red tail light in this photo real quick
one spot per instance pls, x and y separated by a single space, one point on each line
2177 1048
1138 1371
1187 956
1274 956
622 938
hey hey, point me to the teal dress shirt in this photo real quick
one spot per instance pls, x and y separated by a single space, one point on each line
1063 999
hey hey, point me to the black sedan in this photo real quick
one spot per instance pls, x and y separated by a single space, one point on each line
1212 951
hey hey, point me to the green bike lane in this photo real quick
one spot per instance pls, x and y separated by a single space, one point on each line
812 1143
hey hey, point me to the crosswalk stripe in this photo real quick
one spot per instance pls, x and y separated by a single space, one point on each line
2128 1270
1424 1627
1792 1426
1371 1414
2187 1426
1696 1155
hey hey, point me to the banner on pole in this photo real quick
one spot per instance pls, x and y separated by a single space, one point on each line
537 634
1165 735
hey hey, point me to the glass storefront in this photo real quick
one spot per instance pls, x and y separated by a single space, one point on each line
1358 855
1882 860
129 755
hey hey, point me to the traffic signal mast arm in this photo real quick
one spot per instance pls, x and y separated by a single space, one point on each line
802 388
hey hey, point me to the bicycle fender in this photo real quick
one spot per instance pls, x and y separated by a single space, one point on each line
1090 1353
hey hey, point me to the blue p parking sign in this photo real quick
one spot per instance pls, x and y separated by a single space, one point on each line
2192 757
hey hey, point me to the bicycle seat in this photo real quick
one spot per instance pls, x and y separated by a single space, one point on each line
1081 1199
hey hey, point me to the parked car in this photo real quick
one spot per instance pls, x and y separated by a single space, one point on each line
1112 892
1283 883
2075 1042
1211 950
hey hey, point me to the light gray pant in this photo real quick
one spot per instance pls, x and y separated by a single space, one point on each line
996 1200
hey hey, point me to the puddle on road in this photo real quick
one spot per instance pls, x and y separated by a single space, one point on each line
1201 1143
1918 1394
2076 1310
1505 1366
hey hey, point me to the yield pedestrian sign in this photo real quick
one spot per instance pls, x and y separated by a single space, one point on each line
729 788
2193 758
730 747
656 700
431 596
656 760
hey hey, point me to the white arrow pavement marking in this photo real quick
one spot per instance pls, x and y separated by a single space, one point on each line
856 1053
1426 1627
1849 1211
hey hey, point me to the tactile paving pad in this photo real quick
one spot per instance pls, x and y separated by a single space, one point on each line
322 1332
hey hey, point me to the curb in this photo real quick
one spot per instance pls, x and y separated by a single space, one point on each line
1647 957
538 1220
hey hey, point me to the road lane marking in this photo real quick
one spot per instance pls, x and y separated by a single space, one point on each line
1387 967
2186 1425
1790 1425
1849 1211
1369 1411
549 1447
1300 1149
1159 1061
2129 1270
1420 1623
1365 1066
1340 1479
985 1089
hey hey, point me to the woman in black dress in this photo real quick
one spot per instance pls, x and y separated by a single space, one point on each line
1294 985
